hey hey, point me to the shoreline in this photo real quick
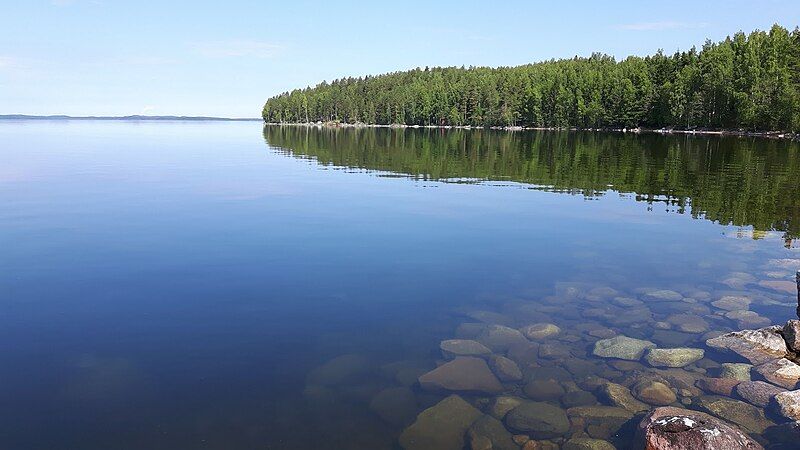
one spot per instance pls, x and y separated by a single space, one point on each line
667 131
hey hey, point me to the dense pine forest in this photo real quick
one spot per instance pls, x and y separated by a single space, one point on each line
749 82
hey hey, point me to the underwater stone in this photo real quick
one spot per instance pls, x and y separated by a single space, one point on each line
758 393
622 347
463 347
747 416
654 393
538 420
539 331
619 395
673 357
441 426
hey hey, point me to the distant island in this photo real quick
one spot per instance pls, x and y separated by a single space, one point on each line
133 118
745 82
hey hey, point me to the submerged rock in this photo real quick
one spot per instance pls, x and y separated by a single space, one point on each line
538 420
619 395
500 338
719 386
488 430
504 368
441 426
464 373
669 428
463 347
673 357
543 390
622 347
781 371
539 331
736 371
788 403
732 303
663 295
654 393
758 393
688 323
757 346
587 444
501 405
747 416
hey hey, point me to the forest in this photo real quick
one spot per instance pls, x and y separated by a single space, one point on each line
745 82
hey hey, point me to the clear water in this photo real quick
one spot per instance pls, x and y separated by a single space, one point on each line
173 284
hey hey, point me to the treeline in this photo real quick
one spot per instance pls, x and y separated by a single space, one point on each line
747 82
729 180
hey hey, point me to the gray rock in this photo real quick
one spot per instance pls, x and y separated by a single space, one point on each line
622 347
757 346
758 393
688 323
505 369
673 357
488 429
587 444
501 405
500 338
788 403
538 420
441 426
619 395
464 373
578 398
540 331
663 295
524 354
781 371
654 393
543 390
463 347
732 303
669 428
736 371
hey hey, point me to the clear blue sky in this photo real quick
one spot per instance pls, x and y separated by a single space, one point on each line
224 58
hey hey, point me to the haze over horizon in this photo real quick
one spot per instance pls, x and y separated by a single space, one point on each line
94 57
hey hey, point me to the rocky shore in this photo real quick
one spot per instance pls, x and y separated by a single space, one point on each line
640 370
693 132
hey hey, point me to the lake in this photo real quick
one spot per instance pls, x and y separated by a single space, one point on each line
228 285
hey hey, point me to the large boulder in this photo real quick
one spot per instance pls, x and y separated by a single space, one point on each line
538 420
791 333
622 347
781 371
464 373
758 393
441 426
669 428
788 404
673 357
757 346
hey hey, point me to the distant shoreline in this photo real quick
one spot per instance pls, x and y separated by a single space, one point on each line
127 118
740 133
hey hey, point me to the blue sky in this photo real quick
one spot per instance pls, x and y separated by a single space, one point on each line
111 57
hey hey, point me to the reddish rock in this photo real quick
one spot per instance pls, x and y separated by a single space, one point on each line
720 386
791 333
670 428
758 393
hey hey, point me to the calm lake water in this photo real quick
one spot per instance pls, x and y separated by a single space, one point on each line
170 285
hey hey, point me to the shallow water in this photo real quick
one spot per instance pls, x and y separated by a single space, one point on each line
178 284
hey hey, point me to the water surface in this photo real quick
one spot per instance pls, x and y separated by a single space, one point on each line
177 284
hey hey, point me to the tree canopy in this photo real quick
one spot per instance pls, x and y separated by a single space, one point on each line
747 82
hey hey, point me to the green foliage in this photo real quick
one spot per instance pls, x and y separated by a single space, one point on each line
730 180
745 82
